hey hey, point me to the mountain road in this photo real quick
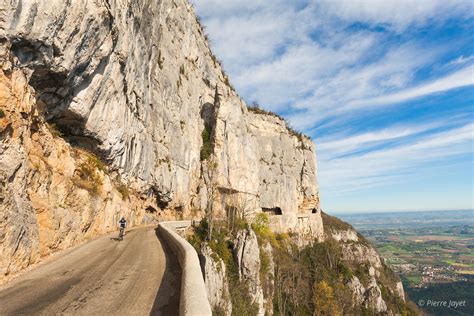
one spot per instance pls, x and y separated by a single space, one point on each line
136 276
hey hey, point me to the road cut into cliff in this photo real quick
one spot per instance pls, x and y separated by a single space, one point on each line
136 276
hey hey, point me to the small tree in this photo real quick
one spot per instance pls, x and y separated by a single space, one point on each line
238 211
323 300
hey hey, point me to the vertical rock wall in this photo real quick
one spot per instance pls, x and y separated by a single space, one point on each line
136 84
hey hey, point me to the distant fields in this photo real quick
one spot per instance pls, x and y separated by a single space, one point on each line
433 255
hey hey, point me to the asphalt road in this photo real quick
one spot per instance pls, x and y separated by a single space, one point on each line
136 276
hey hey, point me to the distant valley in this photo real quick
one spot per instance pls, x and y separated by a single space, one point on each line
433 251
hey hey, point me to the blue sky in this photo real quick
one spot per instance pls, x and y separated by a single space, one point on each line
384 88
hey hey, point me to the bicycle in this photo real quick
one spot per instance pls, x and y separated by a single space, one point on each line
121 233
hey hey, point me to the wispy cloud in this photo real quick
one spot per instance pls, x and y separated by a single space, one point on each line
397 14
340 69
390 165
461 78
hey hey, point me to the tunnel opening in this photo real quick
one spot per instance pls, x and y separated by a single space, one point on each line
314 211
272 210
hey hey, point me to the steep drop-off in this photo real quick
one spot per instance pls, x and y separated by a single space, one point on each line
251 270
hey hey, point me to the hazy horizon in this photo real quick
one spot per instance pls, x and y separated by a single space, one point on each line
362 212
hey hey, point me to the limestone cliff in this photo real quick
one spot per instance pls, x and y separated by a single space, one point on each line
133 88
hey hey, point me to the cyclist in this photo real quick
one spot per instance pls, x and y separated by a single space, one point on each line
122 224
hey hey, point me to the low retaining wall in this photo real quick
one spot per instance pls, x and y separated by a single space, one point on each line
193 290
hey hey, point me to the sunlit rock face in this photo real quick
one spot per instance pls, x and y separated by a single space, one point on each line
135 83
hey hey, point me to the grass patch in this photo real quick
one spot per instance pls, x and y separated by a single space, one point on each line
54 130
122 188
331 222
88 173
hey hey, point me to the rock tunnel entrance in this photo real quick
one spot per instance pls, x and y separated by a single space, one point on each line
272 211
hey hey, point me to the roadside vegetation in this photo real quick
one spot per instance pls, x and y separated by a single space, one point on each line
220 240
307 281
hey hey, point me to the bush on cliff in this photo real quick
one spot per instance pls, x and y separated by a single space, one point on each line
87 174
207 145
221 244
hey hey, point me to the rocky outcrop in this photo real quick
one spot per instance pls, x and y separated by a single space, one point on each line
216 281
370 272
370 297
361 253
400 292
268 279
135 83
344 235
357 290
247 255
373 297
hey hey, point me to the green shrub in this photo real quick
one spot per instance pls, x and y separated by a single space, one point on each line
207 148
264 263
2 114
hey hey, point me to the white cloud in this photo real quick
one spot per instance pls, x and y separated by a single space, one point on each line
387 166
343 145
461 60
304 53
461 78
397 14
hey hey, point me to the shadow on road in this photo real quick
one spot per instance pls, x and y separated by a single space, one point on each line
168 296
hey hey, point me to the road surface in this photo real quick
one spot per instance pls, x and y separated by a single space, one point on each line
103 276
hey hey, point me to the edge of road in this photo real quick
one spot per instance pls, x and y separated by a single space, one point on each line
193 299
6 280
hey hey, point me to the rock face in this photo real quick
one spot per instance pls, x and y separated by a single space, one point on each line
216 281
52 196
366 287
247 255
400 291
135 83
373 297
370 297
269 278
